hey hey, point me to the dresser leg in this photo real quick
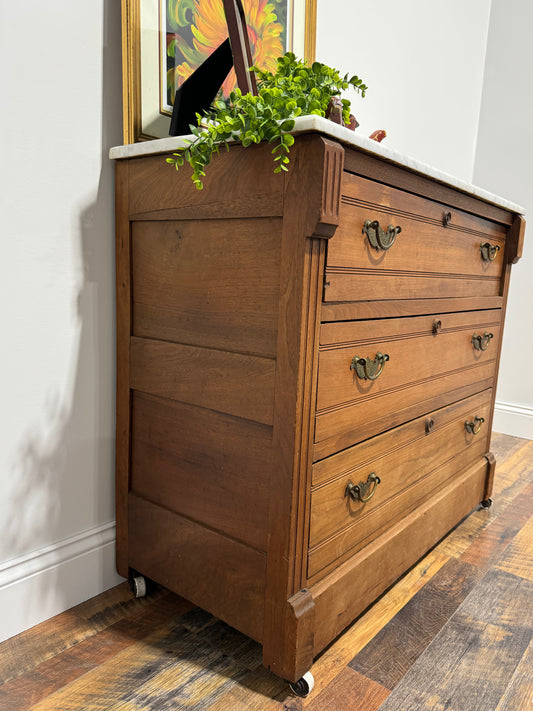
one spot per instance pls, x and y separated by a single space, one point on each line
486 503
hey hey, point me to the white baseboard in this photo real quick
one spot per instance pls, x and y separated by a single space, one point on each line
53 579
513 420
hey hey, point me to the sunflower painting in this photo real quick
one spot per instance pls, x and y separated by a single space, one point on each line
193 29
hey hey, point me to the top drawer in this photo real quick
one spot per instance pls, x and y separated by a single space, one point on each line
437 251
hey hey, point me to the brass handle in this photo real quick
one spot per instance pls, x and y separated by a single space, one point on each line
378 237
481 343
368 369
360 491
475 426
489 251
446 218
437 326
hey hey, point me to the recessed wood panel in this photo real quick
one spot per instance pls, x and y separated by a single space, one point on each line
238 183
209 569
237 384
211 467
213 283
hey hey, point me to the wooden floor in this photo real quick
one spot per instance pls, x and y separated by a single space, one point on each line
454 633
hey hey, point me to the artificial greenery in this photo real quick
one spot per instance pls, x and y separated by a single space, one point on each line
295 89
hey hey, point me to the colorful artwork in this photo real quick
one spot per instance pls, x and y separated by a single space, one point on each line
195 28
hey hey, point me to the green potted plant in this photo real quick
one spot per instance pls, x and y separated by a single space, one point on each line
296 88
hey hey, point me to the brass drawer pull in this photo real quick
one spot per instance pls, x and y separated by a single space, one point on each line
378 237
489 251
481 343
475 426
368 369
360 491
446 218
437 326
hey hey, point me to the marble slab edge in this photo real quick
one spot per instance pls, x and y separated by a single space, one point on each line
307 124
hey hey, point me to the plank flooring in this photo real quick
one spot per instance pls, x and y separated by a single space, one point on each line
455 632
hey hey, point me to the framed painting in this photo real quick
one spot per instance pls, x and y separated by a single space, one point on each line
164 41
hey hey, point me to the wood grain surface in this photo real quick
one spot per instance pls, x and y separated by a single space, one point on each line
239 309
471 662
415 625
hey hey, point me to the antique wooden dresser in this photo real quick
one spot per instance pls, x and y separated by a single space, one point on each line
306 376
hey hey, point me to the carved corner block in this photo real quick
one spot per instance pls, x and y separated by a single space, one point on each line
314 184
515 239
294 652
333 167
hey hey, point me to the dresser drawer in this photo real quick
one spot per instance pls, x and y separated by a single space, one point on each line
437 252
389 370
410 462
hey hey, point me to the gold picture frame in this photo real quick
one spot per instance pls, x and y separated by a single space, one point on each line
141 66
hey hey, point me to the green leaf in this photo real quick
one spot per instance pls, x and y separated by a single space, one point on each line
293 89
287 125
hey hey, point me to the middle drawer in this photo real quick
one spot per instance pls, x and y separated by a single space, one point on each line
374 375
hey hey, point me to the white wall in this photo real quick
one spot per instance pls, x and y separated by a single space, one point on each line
503 165
61 110
423 63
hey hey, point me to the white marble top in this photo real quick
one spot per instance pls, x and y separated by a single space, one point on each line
305 124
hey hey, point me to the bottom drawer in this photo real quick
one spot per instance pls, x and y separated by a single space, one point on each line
394 472
344 594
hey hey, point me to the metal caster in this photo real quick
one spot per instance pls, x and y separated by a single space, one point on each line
304 686
138 586
486 504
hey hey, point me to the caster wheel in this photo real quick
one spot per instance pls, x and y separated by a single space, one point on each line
486 504
304 686
138 586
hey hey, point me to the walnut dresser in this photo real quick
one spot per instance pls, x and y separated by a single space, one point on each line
306 376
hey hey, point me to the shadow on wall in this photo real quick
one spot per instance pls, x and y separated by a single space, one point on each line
65 478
